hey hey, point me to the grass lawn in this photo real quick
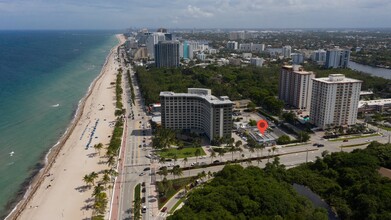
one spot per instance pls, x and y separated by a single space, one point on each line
383 127
137 200
182 153
356 137
176 205
354 145
177 185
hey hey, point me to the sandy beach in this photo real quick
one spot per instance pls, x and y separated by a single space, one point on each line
56 192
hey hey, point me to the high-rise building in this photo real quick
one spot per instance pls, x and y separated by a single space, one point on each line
286 51
232 45
319 56
337 58
295 86
297 58
151 40
167 54
197 110
334 101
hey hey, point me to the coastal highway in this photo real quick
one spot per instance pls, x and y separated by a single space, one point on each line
134 161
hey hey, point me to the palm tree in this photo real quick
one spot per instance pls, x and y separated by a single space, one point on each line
163 172
221 154
212 155
98 147
274 149
93 176
240 150
185 160
111 161
175 157
88 180
259 161
248 161
232 150
176 171
162 160
106 178
210 174
98 189
197 153
238 143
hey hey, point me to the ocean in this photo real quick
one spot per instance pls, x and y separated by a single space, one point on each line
43 75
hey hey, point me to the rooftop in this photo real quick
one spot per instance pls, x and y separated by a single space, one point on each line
200 93
337 78
374 102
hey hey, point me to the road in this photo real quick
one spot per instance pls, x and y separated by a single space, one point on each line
133 160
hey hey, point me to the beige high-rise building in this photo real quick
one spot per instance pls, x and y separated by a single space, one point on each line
197 110
334 101
295 86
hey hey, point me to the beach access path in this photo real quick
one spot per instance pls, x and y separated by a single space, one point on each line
61 194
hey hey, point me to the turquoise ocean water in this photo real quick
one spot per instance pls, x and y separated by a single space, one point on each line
43 75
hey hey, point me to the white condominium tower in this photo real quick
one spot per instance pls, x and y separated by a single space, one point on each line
334 101
295 86
197 110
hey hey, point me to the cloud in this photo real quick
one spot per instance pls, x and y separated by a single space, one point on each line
196 12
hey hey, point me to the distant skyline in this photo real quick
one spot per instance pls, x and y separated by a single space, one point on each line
115 14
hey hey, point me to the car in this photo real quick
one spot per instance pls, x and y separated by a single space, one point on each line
320 145
168 160
143 190
144 209
142 174
216 161
161 168
346 140
148 156
143 184
164 209
315 145
147 168
194 164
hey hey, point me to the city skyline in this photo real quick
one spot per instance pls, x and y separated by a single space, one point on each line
72 14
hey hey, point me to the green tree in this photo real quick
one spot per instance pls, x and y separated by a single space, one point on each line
197 153
283 139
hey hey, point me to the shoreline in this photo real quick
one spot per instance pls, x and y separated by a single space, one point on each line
52 154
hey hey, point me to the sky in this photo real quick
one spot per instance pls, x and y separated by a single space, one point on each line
120 14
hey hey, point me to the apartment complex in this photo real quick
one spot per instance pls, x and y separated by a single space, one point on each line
337 58
334 101
167 54
197 110
295 86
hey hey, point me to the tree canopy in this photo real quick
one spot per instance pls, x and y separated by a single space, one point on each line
350 182
247 193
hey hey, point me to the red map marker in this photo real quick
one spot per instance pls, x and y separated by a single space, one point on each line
262 126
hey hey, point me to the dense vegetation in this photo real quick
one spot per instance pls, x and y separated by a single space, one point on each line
258 84
350 182
247 193
118 94
132 95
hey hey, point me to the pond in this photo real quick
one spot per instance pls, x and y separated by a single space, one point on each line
315 199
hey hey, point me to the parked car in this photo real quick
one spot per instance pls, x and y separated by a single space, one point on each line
320 145
216 161
147 168
346 140
164 209
144 209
